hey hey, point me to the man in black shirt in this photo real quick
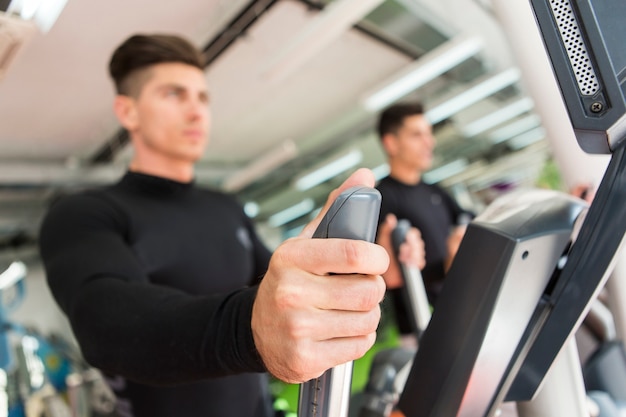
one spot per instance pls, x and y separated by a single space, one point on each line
155 273
407 139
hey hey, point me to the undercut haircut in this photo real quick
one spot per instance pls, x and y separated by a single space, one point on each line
138 53
392 118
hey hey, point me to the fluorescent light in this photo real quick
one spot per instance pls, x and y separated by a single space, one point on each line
328 170
516 128
497 117
423 70
326 27
291 213
14 273
445 171
381 171
527 138
43 12
263 165
251 209
473 95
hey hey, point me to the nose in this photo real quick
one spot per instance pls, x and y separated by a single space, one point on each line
431 140
197 109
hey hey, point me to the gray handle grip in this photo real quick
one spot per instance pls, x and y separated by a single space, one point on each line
353 215
413 290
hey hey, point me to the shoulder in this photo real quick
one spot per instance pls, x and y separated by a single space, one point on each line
434 188
83 206
387 184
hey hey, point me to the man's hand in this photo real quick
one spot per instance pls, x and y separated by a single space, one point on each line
411 251
305 320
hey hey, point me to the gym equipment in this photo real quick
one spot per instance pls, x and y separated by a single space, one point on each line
388 373
35 371
413 291
505 262
605 369
353 215
525 275
390 367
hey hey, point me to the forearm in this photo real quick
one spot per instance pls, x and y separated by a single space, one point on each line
157 335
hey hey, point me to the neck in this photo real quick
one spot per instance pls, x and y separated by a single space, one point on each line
181 172
404 174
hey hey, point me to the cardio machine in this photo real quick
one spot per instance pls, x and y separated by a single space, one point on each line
530 266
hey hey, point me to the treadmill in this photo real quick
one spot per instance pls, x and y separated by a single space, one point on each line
530 266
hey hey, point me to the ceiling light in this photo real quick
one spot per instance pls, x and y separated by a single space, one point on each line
251 209
497 117
473 95
261 166
528 138
326 27
515 128
425 69
43 12
328 170
14 273
381 171
445 171
291 213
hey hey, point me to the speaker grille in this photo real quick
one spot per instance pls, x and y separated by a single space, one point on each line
575 45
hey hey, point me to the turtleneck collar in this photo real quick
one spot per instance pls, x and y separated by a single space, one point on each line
155 185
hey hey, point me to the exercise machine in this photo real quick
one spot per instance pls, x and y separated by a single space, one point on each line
526 274
353 215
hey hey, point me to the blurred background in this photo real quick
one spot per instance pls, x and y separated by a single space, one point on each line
296 86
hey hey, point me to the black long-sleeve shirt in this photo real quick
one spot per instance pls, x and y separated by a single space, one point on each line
154 277
430 209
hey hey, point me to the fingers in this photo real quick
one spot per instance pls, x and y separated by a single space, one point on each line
313 359
338 324
304 320
336 352
361 176
296 339
337 256
412 251
318 305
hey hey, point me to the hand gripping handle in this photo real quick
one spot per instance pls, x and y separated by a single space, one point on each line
353 215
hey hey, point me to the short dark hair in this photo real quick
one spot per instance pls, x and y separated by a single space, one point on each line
142 51
392 118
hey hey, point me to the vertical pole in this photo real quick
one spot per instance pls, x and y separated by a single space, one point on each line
563 390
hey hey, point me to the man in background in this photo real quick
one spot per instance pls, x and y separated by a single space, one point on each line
407 139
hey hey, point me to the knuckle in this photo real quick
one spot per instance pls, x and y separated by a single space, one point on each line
368 299
286 297
353 253
381 288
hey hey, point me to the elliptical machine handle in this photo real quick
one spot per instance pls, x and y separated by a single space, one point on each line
413 291
353 215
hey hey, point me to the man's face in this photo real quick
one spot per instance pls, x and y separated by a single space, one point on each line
169 119
413 143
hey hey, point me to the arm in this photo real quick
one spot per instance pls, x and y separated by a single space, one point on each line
125 325
158 335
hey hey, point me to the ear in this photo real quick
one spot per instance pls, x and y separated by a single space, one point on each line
126 111
390 144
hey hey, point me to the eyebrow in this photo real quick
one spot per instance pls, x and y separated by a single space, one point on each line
204 93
